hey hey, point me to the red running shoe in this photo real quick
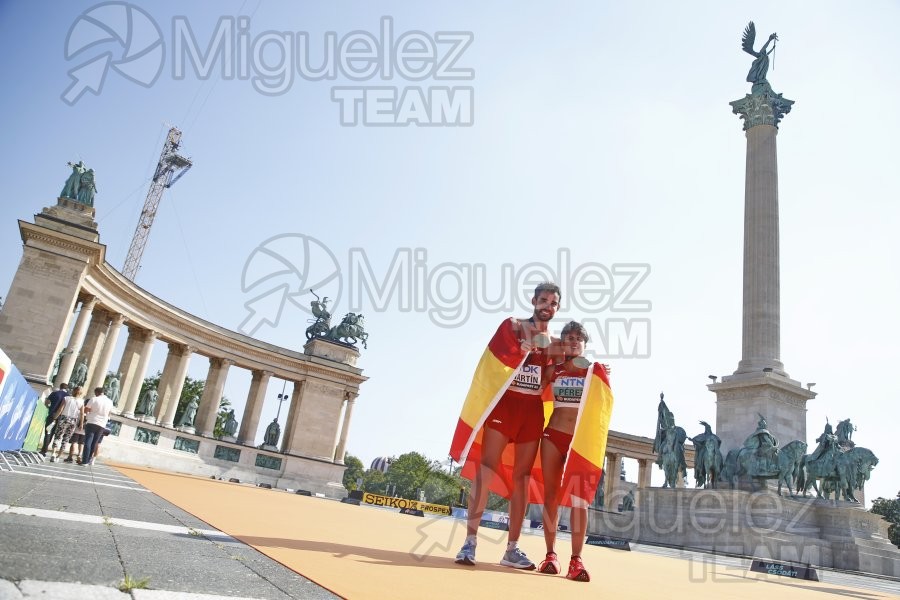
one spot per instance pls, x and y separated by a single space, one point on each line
577 572
550 565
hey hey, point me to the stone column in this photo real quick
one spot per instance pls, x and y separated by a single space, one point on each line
255 399
613 470
645 466
291 439
760 385
761 334
75 340
98 373
131 390
350 400
175 384
212 395
93 344
128 363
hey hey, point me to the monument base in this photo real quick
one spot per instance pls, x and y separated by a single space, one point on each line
742 398
186 429
759 525
183 452
331 350
71 217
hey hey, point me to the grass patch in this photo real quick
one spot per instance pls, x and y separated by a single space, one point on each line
130 583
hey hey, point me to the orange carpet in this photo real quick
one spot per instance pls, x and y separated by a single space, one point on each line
363 552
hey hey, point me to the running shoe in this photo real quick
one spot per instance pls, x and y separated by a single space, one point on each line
550 565
516 559
466 556
577 572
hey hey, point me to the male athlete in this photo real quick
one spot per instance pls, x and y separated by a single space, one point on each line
517 418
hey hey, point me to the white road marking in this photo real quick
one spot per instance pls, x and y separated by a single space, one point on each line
82 518
86 473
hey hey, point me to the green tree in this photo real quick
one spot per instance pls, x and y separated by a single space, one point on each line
353 472
410 472
374 481
890 510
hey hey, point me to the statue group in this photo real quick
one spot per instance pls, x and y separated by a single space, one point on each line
80 186
350 330
836 465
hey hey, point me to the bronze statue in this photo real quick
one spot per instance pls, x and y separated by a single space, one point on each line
70 189
848 471
190 413
844 432
87 188
111 389
828 447
79 375
350 330
147 403
669 445
708 463
231 425
322 324
273 432
765 447
760 66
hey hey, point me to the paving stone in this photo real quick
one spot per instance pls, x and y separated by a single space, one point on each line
9 591
52 590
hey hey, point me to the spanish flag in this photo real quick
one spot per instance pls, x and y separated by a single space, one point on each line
493 376
584 463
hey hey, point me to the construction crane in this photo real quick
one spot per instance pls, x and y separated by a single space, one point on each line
169 169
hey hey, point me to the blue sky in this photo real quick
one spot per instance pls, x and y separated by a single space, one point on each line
601 130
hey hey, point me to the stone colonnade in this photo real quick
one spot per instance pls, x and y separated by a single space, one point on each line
622 445
320 411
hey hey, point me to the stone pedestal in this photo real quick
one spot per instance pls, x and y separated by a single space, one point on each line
186 429
760 525
269 447
740 399
331 350
58 249
229 438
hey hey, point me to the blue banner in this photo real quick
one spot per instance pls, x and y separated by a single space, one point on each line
17 404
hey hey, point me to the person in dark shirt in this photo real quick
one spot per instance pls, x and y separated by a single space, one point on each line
52 402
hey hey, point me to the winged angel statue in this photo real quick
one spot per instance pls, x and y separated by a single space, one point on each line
760 66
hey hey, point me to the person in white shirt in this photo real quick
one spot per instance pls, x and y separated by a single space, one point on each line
96 415
65 417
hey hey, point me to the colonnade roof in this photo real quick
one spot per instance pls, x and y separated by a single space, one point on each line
141 309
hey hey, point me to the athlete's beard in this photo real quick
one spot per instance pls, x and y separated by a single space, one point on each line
538 316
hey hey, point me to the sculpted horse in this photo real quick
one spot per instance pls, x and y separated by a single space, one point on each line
743 462
843 473
350 330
